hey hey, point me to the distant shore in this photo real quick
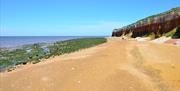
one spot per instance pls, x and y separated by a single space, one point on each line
18 41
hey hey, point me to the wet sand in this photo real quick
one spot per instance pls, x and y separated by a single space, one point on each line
118 65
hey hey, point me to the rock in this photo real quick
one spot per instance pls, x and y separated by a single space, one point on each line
161 39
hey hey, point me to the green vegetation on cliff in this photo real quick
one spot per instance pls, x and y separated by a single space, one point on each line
170 33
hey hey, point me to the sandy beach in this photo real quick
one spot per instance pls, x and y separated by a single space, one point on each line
118 65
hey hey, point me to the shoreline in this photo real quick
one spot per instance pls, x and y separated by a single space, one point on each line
35 52
69 56
45 44
116 63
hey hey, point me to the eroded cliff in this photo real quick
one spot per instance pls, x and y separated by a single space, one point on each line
157 25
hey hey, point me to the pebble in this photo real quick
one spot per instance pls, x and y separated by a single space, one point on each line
79 81
72 68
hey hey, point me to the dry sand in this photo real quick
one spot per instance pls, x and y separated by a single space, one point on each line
118 65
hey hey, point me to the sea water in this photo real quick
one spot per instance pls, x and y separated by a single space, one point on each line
15 41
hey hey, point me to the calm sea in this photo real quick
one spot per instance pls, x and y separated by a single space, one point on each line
15 41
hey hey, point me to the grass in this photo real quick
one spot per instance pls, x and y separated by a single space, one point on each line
151 35
170 33
34 53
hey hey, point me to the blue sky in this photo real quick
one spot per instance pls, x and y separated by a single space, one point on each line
74 17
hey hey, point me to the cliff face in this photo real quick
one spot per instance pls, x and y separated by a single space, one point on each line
157 24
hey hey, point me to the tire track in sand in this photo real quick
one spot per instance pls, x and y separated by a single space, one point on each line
149 73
